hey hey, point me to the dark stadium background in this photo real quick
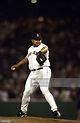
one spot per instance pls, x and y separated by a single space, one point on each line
59 23
46 8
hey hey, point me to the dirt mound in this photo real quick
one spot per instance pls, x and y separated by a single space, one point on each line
34 120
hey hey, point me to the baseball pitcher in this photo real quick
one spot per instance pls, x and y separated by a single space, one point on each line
40 74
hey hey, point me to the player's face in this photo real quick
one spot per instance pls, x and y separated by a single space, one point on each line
36 43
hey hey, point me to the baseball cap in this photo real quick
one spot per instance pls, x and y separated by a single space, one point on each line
37 36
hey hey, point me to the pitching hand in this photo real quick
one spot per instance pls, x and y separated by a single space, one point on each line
14 67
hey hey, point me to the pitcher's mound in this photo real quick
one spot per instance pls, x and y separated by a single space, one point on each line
34 120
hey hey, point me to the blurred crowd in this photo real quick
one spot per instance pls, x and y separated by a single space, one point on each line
63 38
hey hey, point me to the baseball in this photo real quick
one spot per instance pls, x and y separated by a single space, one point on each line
13 68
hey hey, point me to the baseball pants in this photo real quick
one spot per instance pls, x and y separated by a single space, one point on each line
39 78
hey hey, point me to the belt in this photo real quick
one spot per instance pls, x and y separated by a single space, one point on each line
37 69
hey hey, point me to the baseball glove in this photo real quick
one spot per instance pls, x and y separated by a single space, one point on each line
40 58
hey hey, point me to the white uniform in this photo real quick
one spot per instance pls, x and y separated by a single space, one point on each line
37 78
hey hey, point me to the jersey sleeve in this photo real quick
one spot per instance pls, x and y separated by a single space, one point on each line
44 45
27 56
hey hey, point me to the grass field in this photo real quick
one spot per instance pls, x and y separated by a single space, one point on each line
34 120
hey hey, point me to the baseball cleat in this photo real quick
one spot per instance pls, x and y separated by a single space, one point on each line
21 114
56 114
